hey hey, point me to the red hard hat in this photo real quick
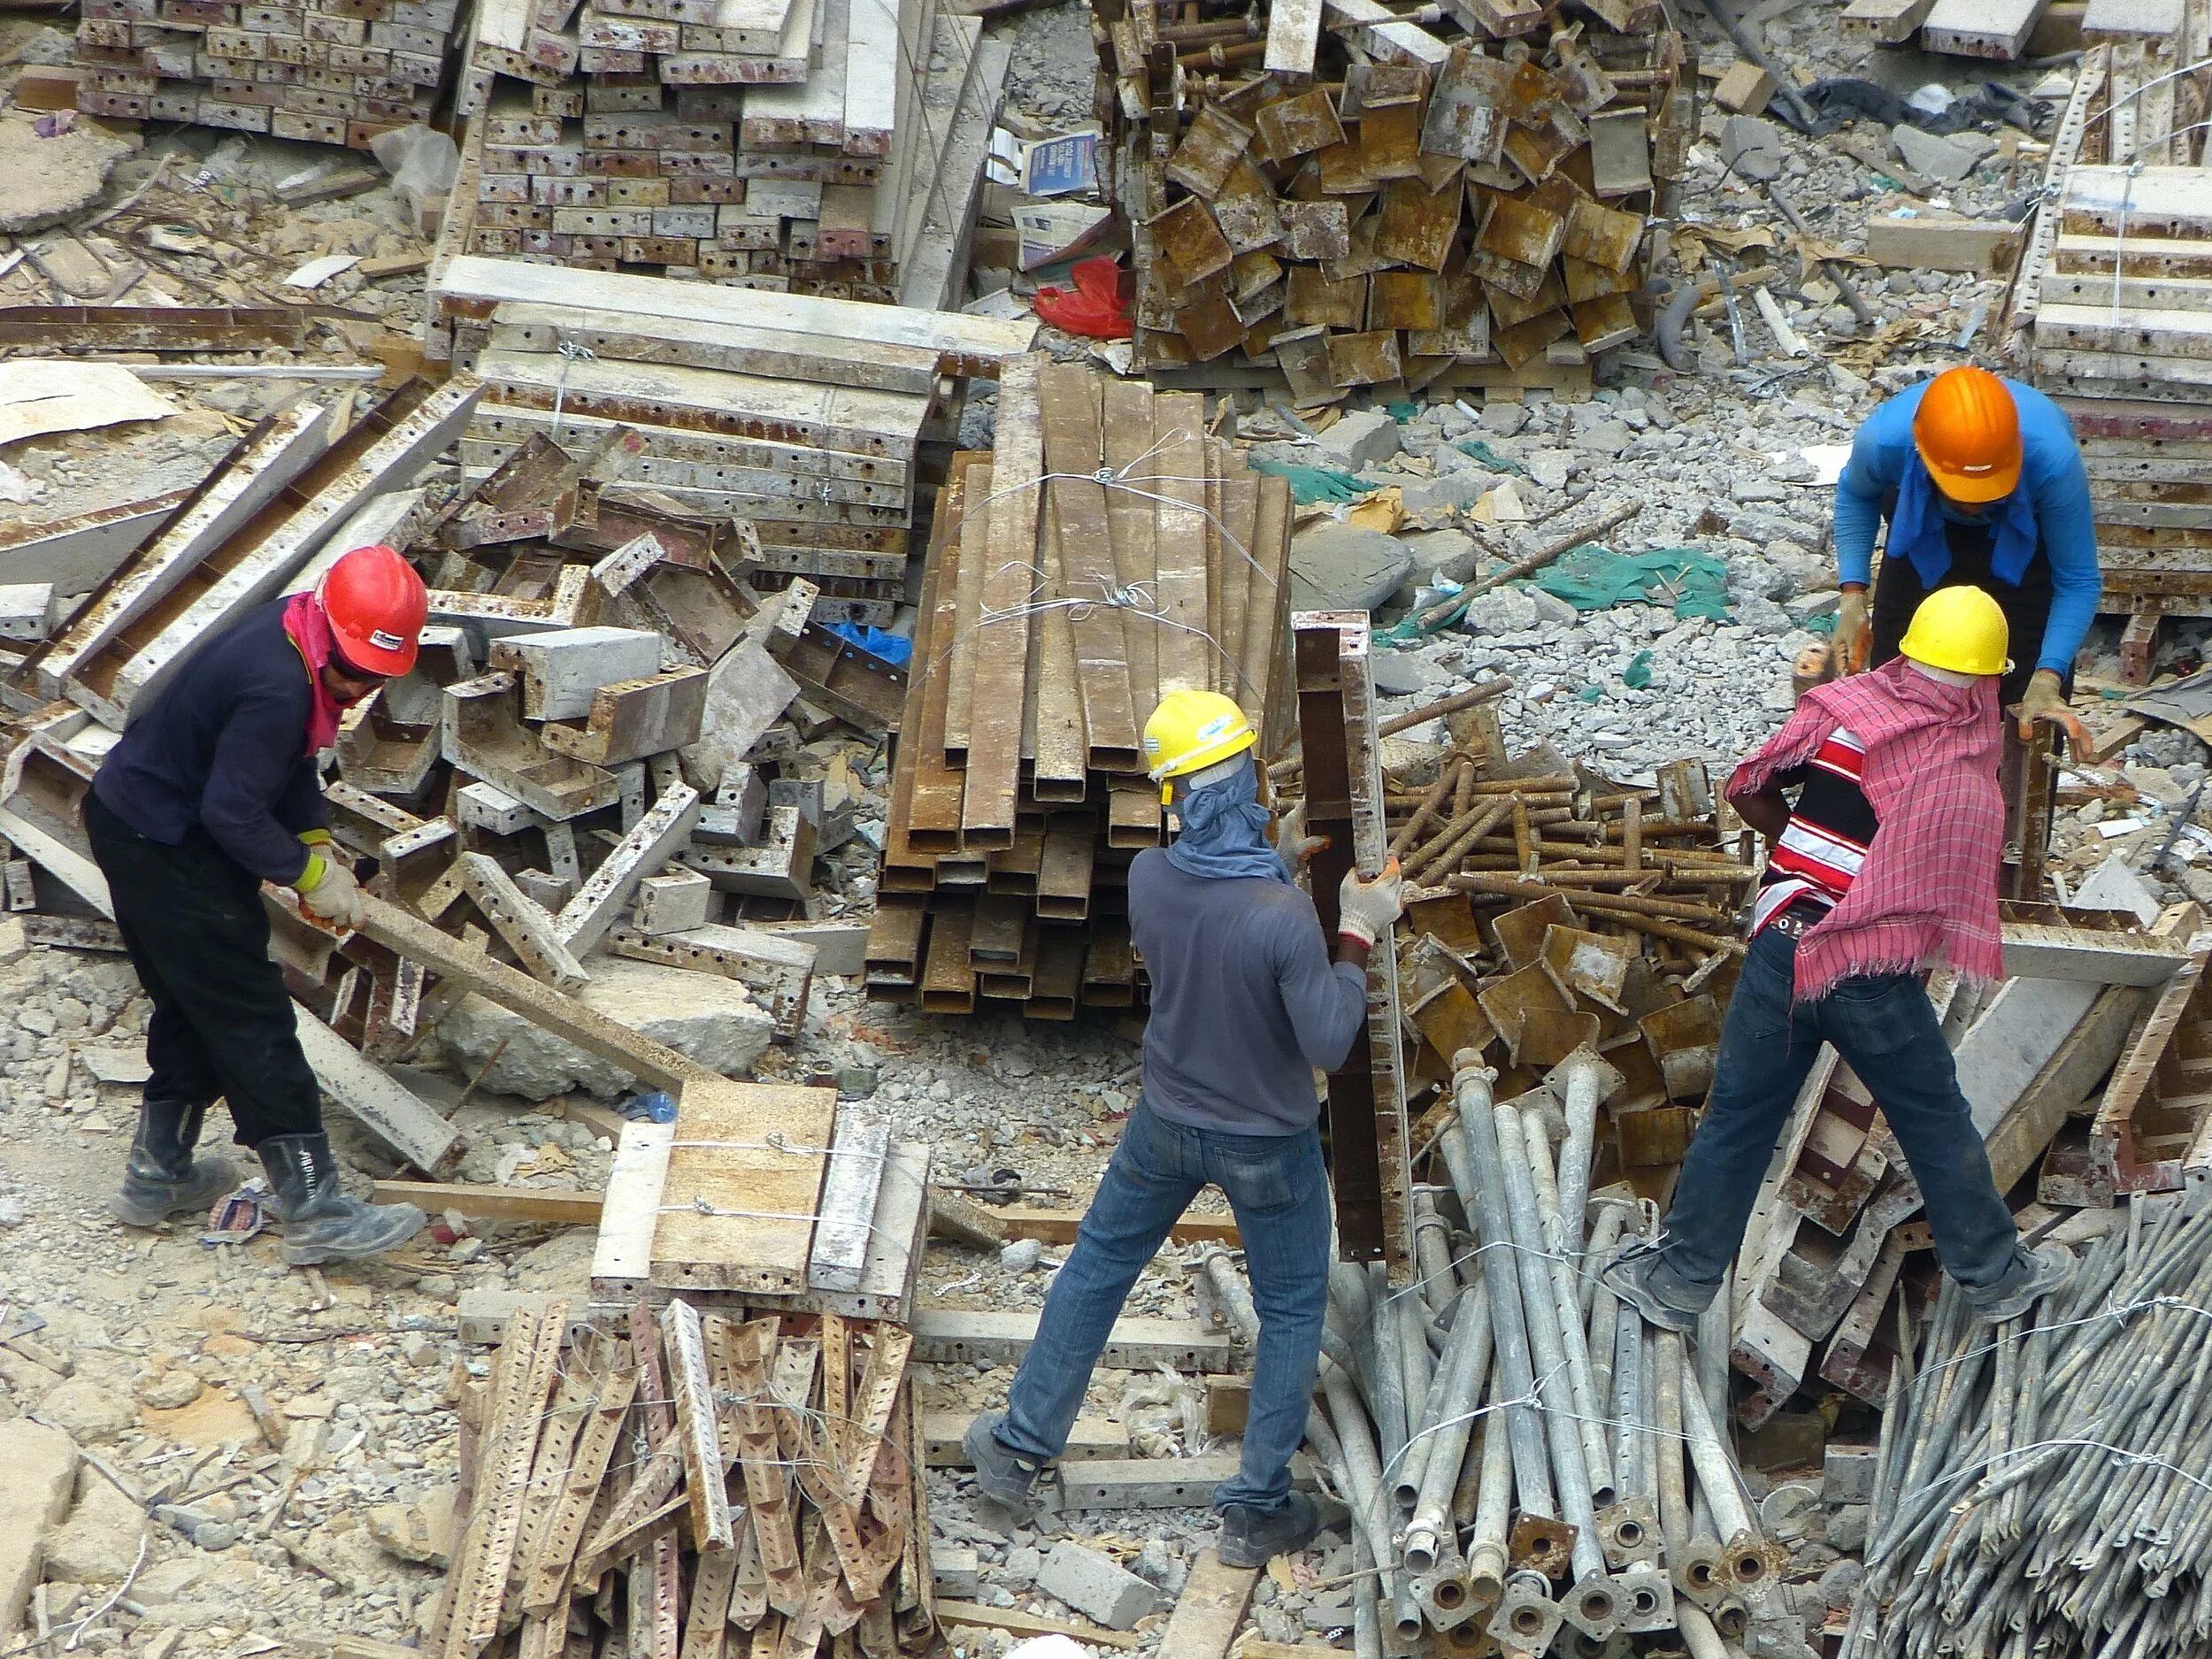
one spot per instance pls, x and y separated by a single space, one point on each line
377 606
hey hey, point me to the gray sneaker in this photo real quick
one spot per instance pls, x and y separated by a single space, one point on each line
1004 1479
2034 1274
1629 1275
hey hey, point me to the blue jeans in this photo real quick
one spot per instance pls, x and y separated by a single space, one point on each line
1280 1195
1886 1031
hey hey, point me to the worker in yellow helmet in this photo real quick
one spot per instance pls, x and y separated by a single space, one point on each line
1983 486
1886 864
1248 1002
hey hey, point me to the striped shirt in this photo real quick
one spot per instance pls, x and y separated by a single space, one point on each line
1825 840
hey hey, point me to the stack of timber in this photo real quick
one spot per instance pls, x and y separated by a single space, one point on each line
1106 552
1354 201
826 147
331 72
683 1480
2079 1068
544 784
2123 338
805 416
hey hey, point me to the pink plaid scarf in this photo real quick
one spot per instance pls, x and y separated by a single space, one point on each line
1928 890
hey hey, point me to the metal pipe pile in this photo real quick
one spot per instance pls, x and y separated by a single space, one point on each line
1517 1449
2043 1490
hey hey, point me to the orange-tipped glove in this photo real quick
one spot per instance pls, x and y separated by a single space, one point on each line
328 888
1852 641
2045 700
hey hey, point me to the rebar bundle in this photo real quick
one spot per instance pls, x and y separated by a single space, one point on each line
2048 1487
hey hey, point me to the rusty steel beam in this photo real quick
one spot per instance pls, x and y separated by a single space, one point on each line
1344 802
157 328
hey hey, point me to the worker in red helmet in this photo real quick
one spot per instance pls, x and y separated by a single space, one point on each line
212 790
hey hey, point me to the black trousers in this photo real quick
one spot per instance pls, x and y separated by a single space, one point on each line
1898 591
222 1027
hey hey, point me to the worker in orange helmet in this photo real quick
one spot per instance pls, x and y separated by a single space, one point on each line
213 790
1983 486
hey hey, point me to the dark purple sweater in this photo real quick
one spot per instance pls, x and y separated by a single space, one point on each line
221 748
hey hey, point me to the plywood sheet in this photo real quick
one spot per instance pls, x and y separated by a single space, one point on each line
744 1180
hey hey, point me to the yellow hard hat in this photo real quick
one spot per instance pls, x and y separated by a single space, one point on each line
1960 629
1191 731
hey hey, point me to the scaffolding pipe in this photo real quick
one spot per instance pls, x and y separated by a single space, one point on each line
1362 1475
1487 1558
1588 1079
1417 1380
1466 1368
1592 1604
1432 1252
1597 1457
1478 1171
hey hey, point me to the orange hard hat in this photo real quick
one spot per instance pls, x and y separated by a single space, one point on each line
1967 430
377 606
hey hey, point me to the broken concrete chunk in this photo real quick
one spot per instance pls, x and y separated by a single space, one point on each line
1938 157
1752 146
1364 438
708 1019
1095 1587
41 1465
99 1543
1345 567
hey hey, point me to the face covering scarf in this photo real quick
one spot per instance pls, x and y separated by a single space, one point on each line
1224 832
309 630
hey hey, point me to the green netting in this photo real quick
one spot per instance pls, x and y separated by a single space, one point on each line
1592 578
1309 484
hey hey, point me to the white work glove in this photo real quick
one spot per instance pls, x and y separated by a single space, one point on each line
326 888
1365 910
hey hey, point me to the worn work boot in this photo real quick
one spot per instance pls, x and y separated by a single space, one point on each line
1251 1538
1004 1479
321 1223
162 1178
1638 1275
2034 1274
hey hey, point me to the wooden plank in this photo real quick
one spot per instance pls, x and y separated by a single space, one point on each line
1000 694
1059 1226
562 1206
847 1223
965 345
744 1181
1090 1437
1211 1609
407 934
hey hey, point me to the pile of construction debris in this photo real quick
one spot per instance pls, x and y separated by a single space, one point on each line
1420 210
524 791
828 146
818 422
335 74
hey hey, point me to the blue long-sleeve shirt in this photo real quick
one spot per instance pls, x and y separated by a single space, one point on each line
2051 474
1246 1004
223 747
